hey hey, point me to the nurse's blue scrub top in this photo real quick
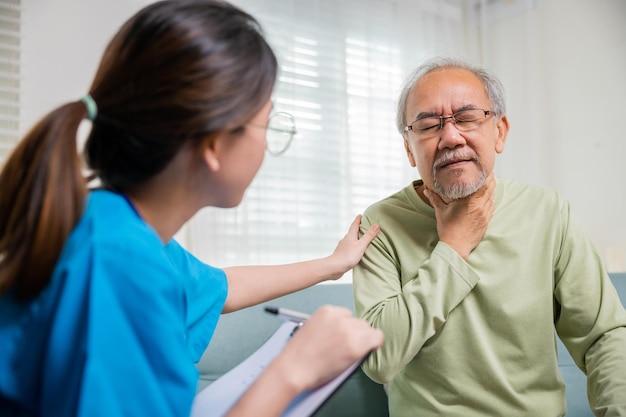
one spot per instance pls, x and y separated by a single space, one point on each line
118 329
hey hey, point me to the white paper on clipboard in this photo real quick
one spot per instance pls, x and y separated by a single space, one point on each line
216 399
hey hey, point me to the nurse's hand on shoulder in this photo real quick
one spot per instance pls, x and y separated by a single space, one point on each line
351 248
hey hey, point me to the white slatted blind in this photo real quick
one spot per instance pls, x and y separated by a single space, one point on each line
10 15
341 66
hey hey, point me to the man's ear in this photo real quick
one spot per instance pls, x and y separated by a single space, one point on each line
409 154
503 130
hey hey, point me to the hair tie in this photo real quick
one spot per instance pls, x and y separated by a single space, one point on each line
92 108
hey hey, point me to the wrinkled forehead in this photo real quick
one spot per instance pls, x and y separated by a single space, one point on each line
446 90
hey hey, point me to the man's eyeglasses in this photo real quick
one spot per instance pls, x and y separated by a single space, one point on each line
280 130
464 120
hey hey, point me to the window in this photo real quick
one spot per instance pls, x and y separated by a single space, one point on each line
9 75
341 67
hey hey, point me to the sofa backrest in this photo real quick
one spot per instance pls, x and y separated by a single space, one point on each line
619 280
240 333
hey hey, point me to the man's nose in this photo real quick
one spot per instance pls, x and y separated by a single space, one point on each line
449 135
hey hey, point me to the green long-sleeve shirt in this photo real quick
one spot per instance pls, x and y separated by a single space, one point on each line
476 337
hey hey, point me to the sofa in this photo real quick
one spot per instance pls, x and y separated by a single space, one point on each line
240 333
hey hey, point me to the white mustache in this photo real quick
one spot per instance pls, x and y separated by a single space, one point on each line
453 156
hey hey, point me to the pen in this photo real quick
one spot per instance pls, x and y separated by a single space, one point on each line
290 315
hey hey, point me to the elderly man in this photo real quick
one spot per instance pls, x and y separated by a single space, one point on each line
471 277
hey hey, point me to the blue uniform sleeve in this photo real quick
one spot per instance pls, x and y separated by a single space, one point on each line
207 288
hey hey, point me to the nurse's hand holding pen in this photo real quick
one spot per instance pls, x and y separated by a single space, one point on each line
329 342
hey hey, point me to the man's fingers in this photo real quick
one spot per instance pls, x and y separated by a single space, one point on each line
434 199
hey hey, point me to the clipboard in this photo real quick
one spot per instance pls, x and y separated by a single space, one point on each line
216 399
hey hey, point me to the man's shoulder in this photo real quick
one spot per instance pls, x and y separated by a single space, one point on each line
402 201
518 186
519 192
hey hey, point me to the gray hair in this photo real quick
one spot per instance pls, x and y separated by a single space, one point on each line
493 86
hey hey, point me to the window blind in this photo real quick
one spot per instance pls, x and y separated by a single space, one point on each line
10 15
341 67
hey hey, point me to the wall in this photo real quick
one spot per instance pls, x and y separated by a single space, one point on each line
562 63
63 41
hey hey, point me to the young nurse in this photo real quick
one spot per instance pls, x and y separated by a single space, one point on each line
102 312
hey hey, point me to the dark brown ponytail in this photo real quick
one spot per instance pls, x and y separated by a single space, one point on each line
42 193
